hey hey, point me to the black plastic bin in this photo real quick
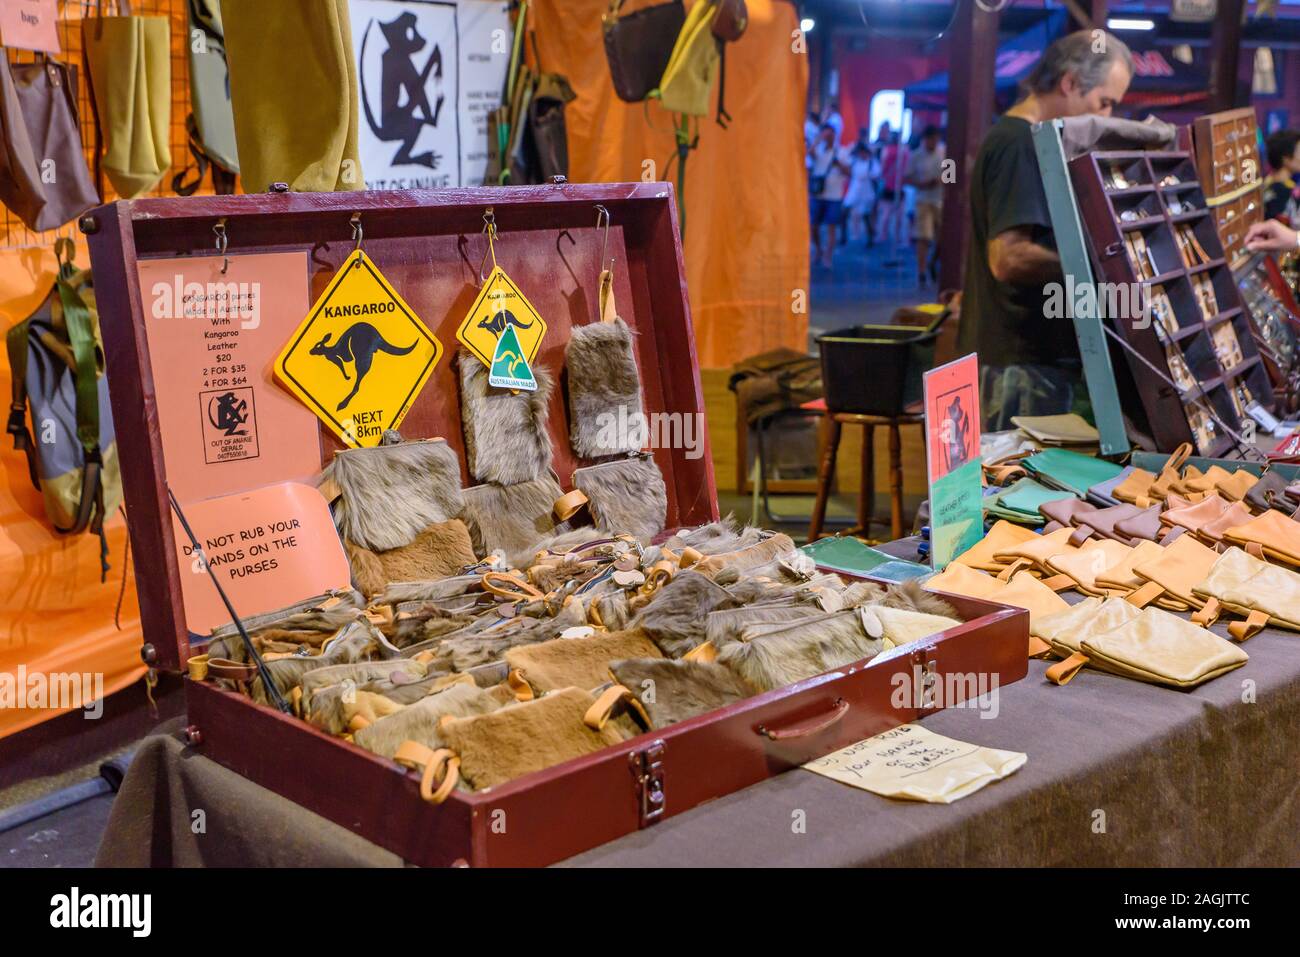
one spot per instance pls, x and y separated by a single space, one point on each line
876 370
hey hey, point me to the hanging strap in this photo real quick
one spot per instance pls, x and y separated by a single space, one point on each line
16 342
723 117
1063 671
608 308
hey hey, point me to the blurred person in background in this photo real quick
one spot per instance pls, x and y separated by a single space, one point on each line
861 194
828 180
890 206
1283 148
925 175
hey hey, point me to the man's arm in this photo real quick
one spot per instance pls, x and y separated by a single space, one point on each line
1014 257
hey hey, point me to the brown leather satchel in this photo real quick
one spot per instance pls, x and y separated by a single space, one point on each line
638 45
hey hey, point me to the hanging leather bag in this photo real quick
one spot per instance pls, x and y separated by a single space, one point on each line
638 45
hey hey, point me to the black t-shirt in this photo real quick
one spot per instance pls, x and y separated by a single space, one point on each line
1001 321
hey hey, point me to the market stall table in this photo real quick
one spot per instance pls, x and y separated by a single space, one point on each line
1120 773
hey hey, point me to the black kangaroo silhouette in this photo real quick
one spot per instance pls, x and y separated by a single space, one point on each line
357 345
496 323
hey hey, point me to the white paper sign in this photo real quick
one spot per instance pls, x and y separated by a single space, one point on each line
428 73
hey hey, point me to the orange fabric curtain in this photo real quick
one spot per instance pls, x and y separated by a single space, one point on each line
747 229
55 615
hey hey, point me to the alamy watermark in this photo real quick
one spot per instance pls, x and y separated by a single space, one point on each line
1129 301
926 690
658 430
57 690
221 302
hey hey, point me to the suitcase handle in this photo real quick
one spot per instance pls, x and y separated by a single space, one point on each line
810 727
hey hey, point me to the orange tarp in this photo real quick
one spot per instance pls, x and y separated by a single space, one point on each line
55 615
746 188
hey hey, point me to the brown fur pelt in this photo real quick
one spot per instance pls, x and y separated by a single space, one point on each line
743 560
357 641
673 691
612 609
419 721
358 673
390 493
440 551
398 592
427 621
476 646
506 436
512 519
676 616
776 655
603 379
518 739
820 590
716 537
322 614
625 497
333 707
577 662
908 595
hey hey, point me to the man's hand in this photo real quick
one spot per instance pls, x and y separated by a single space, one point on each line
1270 236
1015 258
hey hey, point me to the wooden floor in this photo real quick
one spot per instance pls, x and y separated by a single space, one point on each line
720 410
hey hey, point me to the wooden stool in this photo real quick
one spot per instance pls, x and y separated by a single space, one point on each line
833 425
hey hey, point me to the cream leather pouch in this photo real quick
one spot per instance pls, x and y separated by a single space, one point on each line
1264 594
1163 649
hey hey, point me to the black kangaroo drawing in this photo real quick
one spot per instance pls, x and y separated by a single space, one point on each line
403 89
357 345
497 322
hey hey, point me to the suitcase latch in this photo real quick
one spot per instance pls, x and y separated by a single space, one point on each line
648 775
925 680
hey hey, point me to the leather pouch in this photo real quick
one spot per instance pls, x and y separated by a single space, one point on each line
1235 514
1143 489
1001 536
1194 517
419 721
682 689
1163 649
638 46
1021 501
1270 488
1144 526
1101 523
1034 554
1271 535
604 385
1066 630
773 656
1066 429
441 550
625 497
1023 590
1061 468
1066 510
1083 565
1181 566
1103 493
1122 579
576 662
1235 487
1263 594
518 739
506 436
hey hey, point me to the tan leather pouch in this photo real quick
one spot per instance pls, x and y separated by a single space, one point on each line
1065 632
1163 649
1235 486
1179 568
576 662
1263 594
1001 536
1034 554
1083 565
1023 590
1271 535
1136 489
1122 579
1235 514
1193 517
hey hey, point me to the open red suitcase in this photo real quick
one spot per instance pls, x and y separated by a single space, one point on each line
429 244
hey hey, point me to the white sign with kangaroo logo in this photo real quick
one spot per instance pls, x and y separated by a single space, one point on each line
361 356
428 73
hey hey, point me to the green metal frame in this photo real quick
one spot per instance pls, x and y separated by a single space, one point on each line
1098 372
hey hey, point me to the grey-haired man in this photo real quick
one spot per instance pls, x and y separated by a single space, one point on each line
1029 364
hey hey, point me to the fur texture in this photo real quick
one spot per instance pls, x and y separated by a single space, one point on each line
427 621
904 625
682 689
558 543
440 551
390 493
724 626
676 616
518 739
746 558
324 613
398 592
908 595
625 497
602 379
419 722
820 590
716 537
512 519
577 662
773 656
477 646
357 641
506 437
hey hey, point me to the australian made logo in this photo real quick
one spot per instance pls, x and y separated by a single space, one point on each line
361 356
505 332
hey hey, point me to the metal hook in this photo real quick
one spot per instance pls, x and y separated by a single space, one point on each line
222 243
490 228
603 220
356 229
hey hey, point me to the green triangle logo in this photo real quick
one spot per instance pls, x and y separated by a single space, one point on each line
510 369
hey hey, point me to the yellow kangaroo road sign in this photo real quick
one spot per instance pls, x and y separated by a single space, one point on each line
361 356
499 305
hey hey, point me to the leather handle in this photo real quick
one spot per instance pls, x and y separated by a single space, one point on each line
805 729
1253 625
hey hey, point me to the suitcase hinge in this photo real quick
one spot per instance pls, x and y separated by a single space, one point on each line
648 775
925 680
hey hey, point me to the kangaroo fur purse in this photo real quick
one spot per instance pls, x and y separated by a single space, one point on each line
389 494
512 519
625 497
604 389
506 437
441 550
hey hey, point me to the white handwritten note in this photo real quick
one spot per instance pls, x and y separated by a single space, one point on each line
914 764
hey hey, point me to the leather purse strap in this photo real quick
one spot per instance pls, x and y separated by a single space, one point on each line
432 764
1253 625
1063 672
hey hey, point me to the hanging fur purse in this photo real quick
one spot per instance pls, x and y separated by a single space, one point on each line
626 496
506 437
673 691
387 495
440 551
512 520
604 385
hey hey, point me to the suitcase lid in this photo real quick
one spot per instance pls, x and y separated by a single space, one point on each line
428 244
